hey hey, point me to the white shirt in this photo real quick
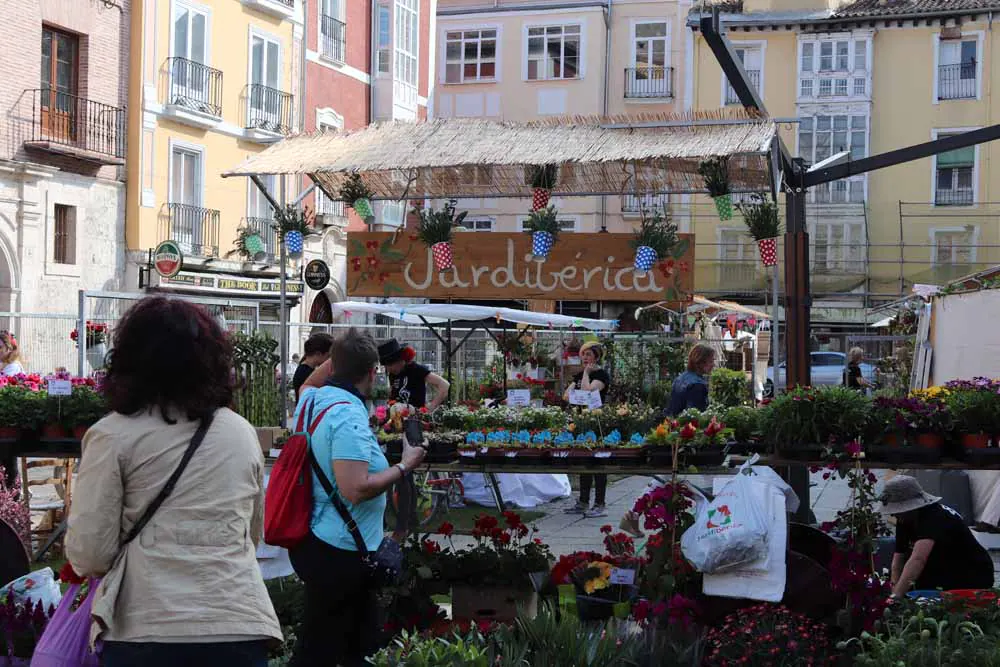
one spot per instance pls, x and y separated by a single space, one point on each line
13 368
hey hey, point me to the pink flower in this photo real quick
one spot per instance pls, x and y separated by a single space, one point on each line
380 413
853 448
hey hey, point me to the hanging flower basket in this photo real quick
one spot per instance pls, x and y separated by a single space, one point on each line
363 208
541 244
768 249
443 257
724 206
645 258
254 246
540 199
294 243
435 231
715 171
543 179
655 238
357 195
294 225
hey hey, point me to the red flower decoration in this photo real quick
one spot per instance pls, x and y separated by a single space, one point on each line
446 529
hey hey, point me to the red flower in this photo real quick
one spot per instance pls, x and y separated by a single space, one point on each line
446 529
606 529
371 244
689 431
504 538
431 548
513 519
68 575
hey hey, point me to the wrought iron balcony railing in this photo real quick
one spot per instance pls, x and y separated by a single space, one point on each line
333 38
957 82
195 86
269 109
265 228
195 229
635 204
73 125
953 197
754 76
649 82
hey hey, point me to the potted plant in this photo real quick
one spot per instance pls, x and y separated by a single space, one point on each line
249 245
655 238
728 388
294 225
975 407
83 409
744 420
357 195
435 231
21 409
543 225
807 423
94 342
543 179
761 218
916 421
758 635
715 171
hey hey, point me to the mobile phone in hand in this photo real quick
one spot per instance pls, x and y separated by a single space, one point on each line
414 432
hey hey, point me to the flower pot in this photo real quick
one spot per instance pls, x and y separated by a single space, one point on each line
54 432
768 249
363 208
645 257
294 243
79 431
975 440
541 245
96 355
443 258
724 206
891 440
9 433
540 199
476 603
930 440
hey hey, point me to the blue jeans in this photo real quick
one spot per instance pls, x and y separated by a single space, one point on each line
154 654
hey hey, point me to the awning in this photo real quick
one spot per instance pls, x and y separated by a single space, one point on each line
484 158
437 313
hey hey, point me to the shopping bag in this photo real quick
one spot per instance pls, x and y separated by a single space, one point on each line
730 530
35 587
66 639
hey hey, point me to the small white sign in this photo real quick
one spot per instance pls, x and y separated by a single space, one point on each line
519 398
467 453
510 455
602 455
60 388
587 399
560 455
622 577
274 452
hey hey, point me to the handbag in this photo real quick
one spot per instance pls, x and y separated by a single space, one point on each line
386 564
107 593
65 640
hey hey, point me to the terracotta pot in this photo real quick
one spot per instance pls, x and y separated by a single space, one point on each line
9 433
975 440
79 431
54 431
890 440
930 440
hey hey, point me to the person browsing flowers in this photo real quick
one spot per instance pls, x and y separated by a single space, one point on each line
10 355
409 380
340 621
591 378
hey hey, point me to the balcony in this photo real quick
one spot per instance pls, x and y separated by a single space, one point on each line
754 76
195 92
284 9
649 82
953 196
333 38
265 228
269 112
195 229
74 126
636 204
330 212
957 82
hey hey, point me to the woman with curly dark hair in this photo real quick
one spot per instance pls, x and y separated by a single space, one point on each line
168 504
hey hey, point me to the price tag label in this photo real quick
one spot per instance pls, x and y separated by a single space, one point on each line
602 455
622 577
468 453
60 388
594 400
519 398
510 455
560 455
274 452
579 397
484 450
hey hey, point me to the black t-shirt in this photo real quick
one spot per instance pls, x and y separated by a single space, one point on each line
302 374
410 386
852 376
957 560
600 375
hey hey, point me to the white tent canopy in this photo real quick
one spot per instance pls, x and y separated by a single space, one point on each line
436 313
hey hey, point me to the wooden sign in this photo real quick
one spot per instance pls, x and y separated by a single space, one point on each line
580 267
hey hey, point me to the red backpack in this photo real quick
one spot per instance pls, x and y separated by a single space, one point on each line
288 502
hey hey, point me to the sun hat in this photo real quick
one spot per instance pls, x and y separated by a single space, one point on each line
390 351
903 494
590 345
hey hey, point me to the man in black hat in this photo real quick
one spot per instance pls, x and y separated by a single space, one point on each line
408 380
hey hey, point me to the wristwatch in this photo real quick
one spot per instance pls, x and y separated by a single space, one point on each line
402 469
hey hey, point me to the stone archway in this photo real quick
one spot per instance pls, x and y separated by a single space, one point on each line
321 312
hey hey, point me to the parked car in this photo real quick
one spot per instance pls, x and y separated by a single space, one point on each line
827 368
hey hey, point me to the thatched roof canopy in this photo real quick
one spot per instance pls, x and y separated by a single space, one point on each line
484 158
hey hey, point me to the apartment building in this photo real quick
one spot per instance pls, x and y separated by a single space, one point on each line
866 77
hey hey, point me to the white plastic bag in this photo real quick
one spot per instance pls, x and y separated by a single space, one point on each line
34 587
730 530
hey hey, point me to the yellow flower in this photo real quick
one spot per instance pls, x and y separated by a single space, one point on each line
595 585
601 581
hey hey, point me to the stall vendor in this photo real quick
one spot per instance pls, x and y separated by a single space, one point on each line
408 380
591 378
935 550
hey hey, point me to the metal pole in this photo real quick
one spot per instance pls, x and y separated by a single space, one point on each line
283 320
774 331
81 333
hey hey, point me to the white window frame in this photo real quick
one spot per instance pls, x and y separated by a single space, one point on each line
746 250
649 201
399 52
479 219
760 46
853 240
497 59
974 242
192 148
936 50
633 63
861 180
205 11
383 54
581 66
562 218
267 37
254 195
851 74
327 117
342 17
935 134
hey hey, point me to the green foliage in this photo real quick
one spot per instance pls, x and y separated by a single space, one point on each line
293 219
543 220
240 243
438 226
715 171
807 416
761 217
354 189
257 395
411 650
744 421
20 407
543 176
657 231
728 388
975 410
84 407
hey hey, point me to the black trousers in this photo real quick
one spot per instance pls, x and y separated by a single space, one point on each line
152 654
340 625
600 482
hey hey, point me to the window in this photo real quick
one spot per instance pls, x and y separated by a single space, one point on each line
406 41
838 246
188 219
860 54
807 57
649 75
554 52
953 246
266 100
64 234
329 121
60 74
635 204
954 177
752 58
190 77
384 40
957 69
479 224
333 31
565 224
834 55
823 136
257 204
470 55
825 66
737 258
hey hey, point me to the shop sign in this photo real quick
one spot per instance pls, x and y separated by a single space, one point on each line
317 274
223 283
167 259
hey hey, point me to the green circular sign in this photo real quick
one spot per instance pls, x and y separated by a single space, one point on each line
167 259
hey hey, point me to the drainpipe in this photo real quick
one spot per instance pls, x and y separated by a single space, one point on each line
607 76
988 82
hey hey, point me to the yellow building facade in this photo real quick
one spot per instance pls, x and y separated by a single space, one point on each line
865 78
212 82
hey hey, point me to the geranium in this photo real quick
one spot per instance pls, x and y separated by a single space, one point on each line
446 529
96 333
667 510
767 635
502 554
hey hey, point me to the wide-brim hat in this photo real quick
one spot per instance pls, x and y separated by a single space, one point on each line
903 494
590 345
390 351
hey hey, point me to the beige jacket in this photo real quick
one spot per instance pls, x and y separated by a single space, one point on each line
192 573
